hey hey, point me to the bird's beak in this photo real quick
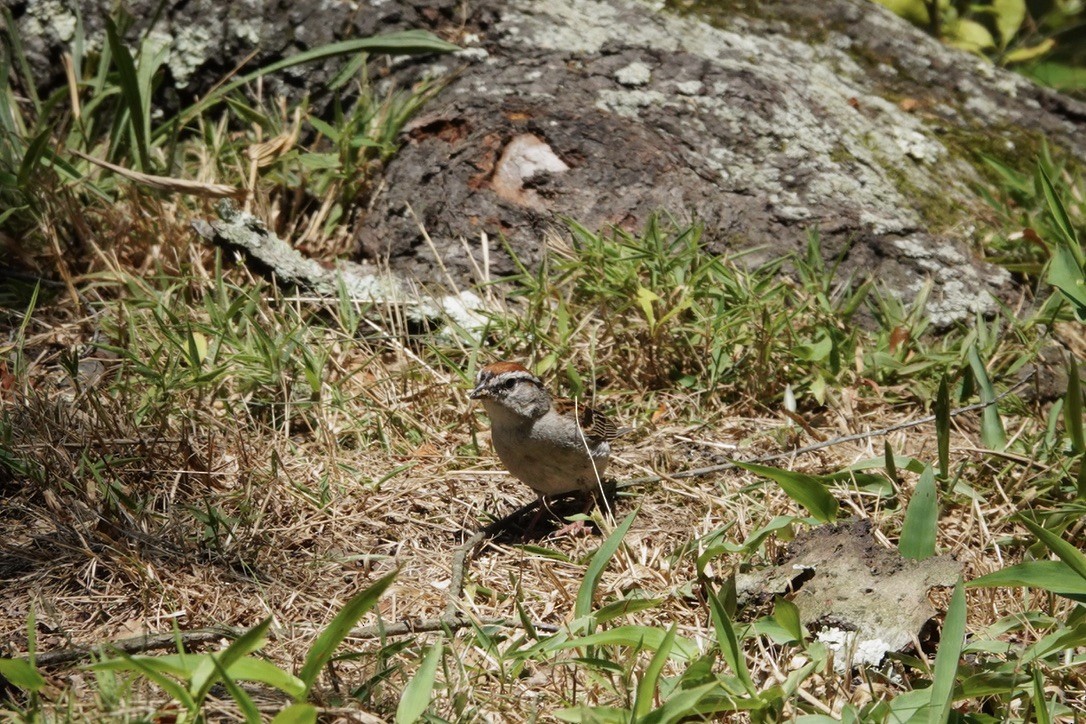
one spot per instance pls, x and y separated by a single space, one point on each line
478 392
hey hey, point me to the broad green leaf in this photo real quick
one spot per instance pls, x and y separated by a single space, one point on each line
806 490
332 636
921 520
646 687
1066 274
910 707
890 464
1060 76
130 94
1009 15
644 637
991 427
250 641
594 714
786 614
946 659
183 666
969 35
21 674
416 696
1029 52
645 299
815 351
679 706
1053 576
585 594
624 607
1059 642
1059 215
1039 702
730 649
915 11
297 713
1071 556
145 666
244 701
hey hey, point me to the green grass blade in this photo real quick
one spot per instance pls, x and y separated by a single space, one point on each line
244 702
1040 704
332 636
416 696
890 464
942 427
18 54
991 427
248 642
600 559
726 638
1071 556
149 668
405 42
946 660
680 706
130 94
1059 215
1067 275
297 713
786 614
1072 416
21 674
32 157
921 519
646 687
807 490
1052 576
640 637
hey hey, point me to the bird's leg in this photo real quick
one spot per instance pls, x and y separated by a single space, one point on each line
535 518
577 527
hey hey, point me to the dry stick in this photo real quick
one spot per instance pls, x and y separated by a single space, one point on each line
198 637
700 472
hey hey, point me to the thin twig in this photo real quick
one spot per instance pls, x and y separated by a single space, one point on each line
203 636
701 472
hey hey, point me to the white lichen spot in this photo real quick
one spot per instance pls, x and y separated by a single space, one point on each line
247 32
850 651
690 87
473 54
916 145
49 18
629 103
191 47
634 74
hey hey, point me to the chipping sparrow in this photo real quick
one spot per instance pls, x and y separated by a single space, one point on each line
539 439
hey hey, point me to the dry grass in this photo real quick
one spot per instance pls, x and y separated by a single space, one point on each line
224 505
183 444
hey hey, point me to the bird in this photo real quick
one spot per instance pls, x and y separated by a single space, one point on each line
552 445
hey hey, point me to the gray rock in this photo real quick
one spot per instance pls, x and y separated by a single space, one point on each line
775 118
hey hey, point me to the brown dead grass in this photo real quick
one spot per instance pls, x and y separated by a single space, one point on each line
319 505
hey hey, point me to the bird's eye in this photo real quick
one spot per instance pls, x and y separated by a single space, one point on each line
508 384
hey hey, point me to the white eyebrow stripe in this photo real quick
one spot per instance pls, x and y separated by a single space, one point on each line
487 377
